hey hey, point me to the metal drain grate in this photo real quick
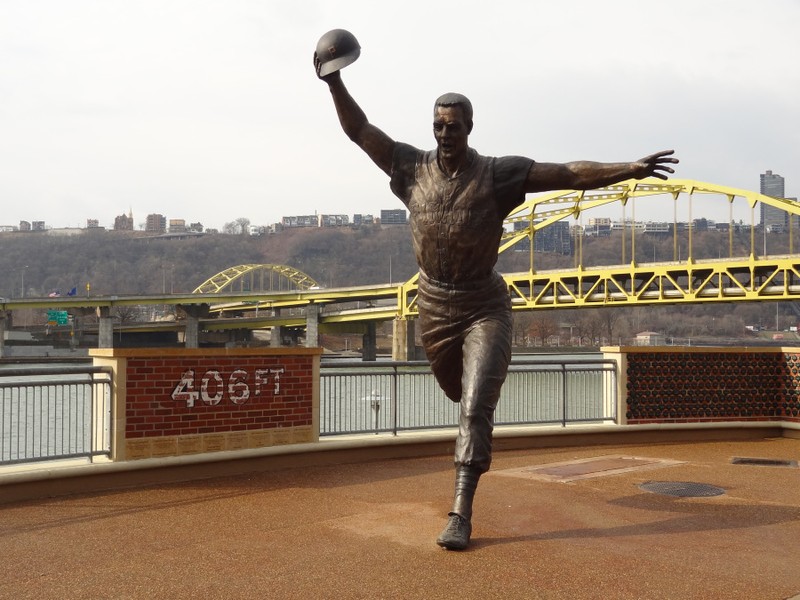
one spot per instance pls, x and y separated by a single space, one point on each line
682 489
764 462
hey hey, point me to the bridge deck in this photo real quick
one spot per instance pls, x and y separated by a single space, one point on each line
367 531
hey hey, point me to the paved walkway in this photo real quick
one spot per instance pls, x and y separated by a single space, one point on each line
367 531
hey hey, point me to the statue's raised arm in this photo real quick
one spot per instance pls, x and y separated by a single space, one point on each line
335 50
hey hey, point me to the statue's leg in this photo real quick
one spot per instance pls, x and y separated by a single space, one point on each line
487 353
442 339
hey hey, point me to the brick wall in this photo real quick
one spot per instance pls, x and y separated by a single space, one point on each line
686 385
174 401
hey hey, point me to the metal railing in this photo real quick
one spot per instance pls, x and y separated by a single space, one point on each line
51 414
359 397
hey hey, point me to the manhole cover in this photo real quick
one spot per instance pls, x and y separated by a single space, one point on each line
682 489
764 462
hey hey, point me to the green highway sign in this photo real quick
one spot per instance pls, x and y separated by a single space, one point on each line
57 317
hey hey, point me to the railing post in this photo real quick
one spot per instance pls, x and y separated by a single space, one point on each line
395 401
564 395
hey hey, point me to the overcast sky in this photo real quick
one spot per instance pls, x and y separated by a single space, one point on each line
209 110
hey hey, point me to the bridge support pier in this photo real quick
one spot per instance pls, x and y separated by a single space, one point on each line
369 346
105 327
276 337
193 314
403 338
312 326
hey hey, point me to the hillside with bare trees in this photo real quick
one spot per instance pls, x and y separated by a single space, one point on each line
117 263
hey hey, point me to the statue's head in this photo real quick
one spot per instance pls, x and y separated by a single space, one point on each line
452 124
460 100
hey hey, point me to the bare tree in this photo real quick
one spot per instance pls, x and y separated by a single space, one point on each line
240 226
127 314
244 225
608 317
542 327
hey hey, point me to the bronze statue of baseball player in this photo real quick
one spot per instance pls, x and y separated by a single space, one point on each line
457 200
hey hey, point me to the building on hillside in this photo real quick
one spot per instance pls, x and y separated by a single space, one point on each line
196 227
38 226
92 224
393 216
123 223
556 237
334 220
359 220
177 226
598 227
774 219
155 223
66 231
24 225
300 221
660 227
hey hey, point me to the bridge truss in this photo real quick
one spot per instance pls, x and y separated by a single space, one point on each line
679 281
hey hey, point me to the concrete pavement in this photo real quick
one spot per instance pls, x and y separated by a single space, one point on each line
368 529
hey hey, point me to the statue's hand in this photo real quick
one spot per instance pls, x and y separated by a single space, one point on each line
656 165
327 78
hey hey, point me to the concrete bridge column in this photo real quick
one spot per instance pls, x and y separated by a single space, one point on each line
403 339
105 327
191 332
369 348
312 326
276 337
193 313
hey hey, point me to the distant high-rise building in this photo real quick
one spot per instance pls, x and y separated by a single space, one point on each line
156 223
774 219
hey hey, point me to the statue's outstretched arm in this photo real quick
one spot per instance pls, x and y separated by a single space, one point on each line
587 175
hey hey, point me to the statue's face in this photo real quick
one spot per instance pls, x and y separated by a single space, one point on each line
451 131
